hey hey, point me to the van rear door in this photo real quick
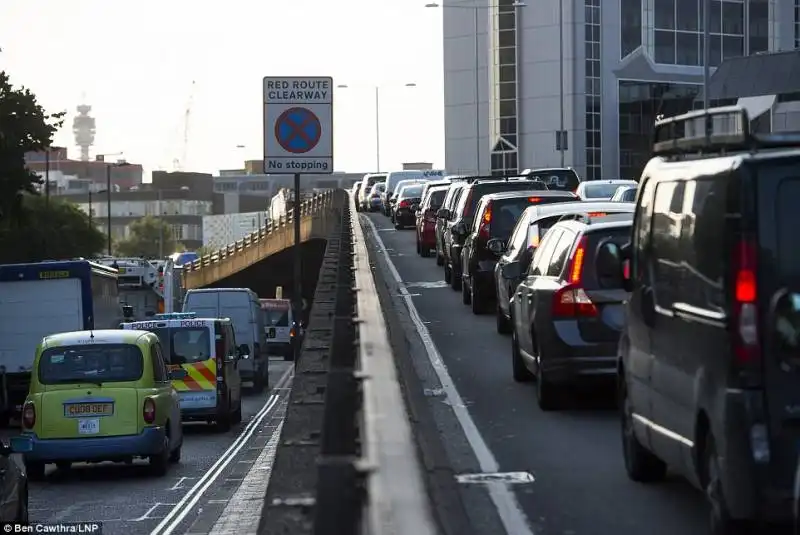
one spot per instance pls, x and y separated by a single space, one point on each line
777 188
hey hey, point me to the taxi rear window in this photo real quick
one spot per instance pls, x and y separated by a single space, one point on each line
185 345
91 363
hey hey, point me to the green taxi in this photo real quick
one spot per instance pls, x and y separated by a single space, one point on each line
101 396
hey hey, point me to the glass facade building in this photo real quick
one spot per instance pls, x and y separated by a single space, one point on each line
503 78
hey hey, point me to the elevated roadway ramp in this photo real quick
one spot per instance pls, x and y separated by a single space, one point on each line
263 260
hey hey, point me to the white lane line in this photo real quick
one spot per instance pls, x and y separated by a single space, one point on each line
243 512
502 497
176 515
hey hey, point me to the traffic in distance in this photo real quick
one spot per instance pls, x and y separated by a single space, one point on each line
673 294
113 374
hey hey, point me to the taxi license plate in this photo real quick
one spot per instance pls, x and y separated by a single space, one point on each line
271 333
74 410
89 426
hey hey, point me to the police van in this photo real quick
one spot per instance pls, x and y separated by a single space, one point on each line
203 360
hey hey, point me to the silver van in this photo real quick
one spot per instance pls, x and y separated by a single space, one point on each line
242 306
279 327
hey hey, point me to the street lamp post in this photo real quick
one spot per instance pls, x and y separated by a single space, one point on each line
475 10
377 121
120 163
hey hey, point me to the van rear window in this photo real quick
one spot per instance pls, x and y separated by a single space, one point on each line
185 345
276 317
91 363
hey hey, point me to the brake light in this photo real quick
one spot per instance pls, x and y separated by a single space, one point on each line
28 415
571 301
483 230
291 332
745 313
597 214
149 411
534 199
404 204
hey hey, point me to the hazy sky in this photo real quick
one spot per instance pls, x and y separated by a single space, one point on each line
136 62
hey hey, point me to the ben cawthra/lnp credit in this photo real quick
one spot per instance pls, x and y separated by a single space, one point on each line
88 528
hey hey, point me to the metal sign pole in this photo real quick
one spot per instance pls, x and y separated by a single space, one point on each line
298 265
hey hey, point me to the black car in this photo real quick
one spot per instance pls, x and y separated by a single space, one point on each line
496 217
461 218
518 250
408 199
443 215
14 481
565 317
709 367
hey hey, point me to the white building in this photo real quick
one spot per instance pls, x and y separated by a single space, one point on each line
620 63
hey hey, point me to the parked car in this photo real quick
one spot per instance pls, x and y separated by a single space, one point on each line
408 200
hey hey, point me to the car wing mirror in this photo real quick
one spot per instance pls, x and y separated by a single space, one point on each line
443 213
415 208
244 351
496 246
511 271
784 327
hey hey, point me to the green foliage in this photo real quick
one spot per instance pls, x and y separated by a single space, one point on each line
53 230
24 127
150 238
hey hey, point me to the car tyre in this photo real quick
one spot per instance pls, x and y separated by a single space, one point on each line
175 455
439 259
448 275
258 382
424 250
159 463
64 465
477 300
223 421
548 395
35 470
21 516
520 372
503 325
642 466
455 280
720 521
419 247
466 294
237 414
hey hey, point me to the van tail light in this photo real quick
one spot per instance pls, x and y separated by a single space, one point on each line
571 301
292 332
404 204
149 411
28 415
483 230
745 313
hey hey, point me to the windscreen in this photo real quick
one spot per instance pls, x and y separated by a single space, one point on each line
275 317
375 179
410 192
556 179
379 187
437 198
185 345
91 363
599 191
629 195
506 212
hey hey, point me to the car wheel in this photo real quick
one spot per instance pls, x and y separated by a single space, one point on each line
258 382
439 259
466 296
63 465
35 470
223 421
237 414
503 325
720 521
419 247
425 251
521 373
476 299
455 279
398 226
640 463
448 275
159 463
175 455
22 507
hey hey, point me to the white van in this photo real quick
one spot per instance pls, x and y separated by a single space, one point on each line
413 174
279 327
242 306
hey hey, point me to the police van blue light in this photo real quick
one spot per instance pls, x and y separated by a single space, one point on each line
176 316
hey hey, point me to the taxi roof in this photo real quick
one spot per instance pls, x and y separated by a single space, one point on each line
102 336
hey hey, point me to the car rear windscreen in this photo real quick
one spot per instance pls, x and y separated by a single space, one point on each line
599 191
629 195
556 179
506 212
184 345
91 363
618 235
411 192
437 197
276 317
496 187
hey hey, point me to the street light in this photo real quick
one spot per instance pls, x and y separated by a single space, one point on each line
377 122
475 10
120 163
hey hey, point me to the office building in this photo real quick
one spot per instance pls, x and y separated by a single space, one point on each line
269 185
600 72
56 159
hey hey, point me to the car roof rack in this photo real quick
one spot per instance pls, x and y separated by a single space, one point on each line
491 178
715 130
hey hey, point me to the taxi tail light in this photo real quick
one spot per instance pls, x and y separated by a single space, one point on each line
28 415
149 411
483 231
571 301
404 204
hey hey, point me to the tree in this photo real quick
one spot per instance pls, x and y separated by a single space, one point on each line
53 230
24 127
150 238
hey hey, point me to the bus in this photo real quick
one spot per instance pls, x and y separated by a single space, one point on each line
44 298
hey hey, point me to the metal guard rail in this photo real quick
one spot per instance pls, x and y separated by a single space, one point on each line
395 497
308 207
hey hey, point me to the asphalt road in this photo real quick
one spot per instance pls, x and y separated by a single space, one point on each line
130 501
579 482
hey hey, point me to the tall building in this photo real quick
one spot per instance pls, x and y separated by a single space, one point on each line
83 128
598 71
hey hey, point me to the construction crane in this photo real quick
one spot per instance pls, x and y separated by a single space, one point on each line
178 163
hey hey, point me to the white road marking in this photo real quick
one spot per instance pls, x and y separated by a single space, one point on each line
244 509
503 477
147 516
176 515
507 505
179 484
